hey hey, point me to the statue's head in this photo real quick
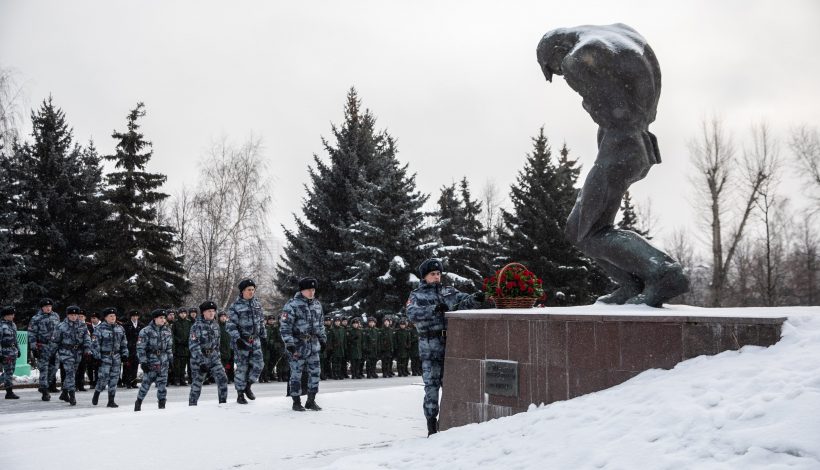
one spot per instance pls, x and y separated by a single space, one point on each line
554 46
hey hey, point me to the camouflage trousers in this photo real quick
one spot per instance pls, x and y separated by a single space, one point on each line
214 365
432 372
8 369
249 365
314 370
108 373
48 369
158 377
69 360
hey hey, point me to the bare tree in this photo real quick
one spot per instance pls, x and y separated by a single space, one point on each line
803 261
10 109
805 145
226 220
680 247
713 155
491 199
182 220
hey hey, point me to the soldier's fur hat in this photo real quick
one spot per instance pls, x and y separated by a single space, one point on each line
245 283
430 265
72 310
8 310
308 283
207 305
46 301
109 311
160 312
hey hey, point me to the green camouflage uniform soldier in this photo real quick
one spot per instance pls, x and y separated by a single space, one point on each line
387 345
181 331
346 361
225 350
336 344
403 345
371 347
354 349
325 354
268 358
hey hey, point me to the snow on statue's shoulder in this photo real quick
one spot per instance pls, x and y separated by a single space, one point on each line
616 37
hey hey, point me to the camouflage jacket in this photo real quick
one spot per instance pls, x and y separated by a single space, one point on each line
8 339
109 341
41 327
70 337
422 303
302 324
155 345
246 320
204 341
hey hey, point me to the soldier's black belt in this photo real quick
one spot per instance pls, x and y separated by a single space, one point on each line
434 334
306 337
207 352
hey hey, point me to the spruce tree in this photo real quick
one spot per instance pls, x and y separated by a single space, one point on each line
464 251
138 268
542 198
56 231
629 217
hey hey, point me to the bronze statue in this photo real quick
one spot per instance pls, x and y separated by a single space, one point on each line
616 72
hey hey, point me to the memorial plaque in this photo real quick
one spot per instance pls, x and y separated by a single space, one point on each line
501 378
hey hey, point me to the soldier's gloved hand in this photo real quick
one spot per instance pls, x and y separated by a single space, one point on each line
145 367
203 369
479 297
240 344
291 349
18 354
323 344
442 308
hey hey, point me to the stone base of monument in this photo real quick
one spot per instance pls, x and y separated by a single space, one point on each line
498 362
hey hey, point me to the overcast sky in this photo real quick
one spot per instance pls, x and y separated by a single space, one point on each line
456 83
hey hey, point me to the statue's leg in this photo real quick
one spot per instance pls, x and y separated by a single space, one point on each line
626 256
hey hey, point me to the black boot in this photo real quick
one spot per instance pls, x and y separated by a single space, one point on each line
191 402
10 395
138 405
297 404
223 400
432 426
249 393
64 395
111 403
310 404
161 404
71 399
52 387
46 395
96 398
240 398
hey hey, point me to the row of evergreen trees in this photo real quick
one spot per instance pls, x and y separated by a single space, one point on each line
80 237
363 230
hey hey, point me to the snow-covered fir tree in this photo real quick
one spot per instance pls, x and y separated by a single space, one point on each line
360 220
137 267
629 217
464 249
57 228
542 198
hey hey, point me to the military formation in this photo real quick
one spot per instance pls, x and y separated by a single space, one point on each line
243 346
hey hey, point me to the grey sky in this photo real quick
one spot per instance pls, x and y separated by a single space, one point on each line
456 82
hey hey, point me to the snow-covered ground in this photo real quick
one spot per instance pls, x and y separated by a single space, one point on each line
753 408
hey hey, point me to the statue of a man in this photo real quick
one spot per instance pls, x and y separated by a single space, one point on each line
617 74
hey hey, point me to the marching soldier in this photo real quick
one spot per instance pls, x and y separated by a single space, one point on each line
110 347
371 347
70 341
204 345
426 307
9 352
155 353
303 333
40 329
246 327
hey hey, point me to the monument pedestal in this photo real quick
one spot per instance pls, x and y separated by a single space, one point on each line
498 362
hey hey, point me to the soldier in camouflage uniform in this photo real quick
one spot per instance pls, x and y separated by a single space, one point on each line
371 347
155 351
387 346
415 360
402 336
205 356
70 341
225 350
354 348
246 325
110 348
426 308
181 330
327 369
336 346
303 332
8 349
40 329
